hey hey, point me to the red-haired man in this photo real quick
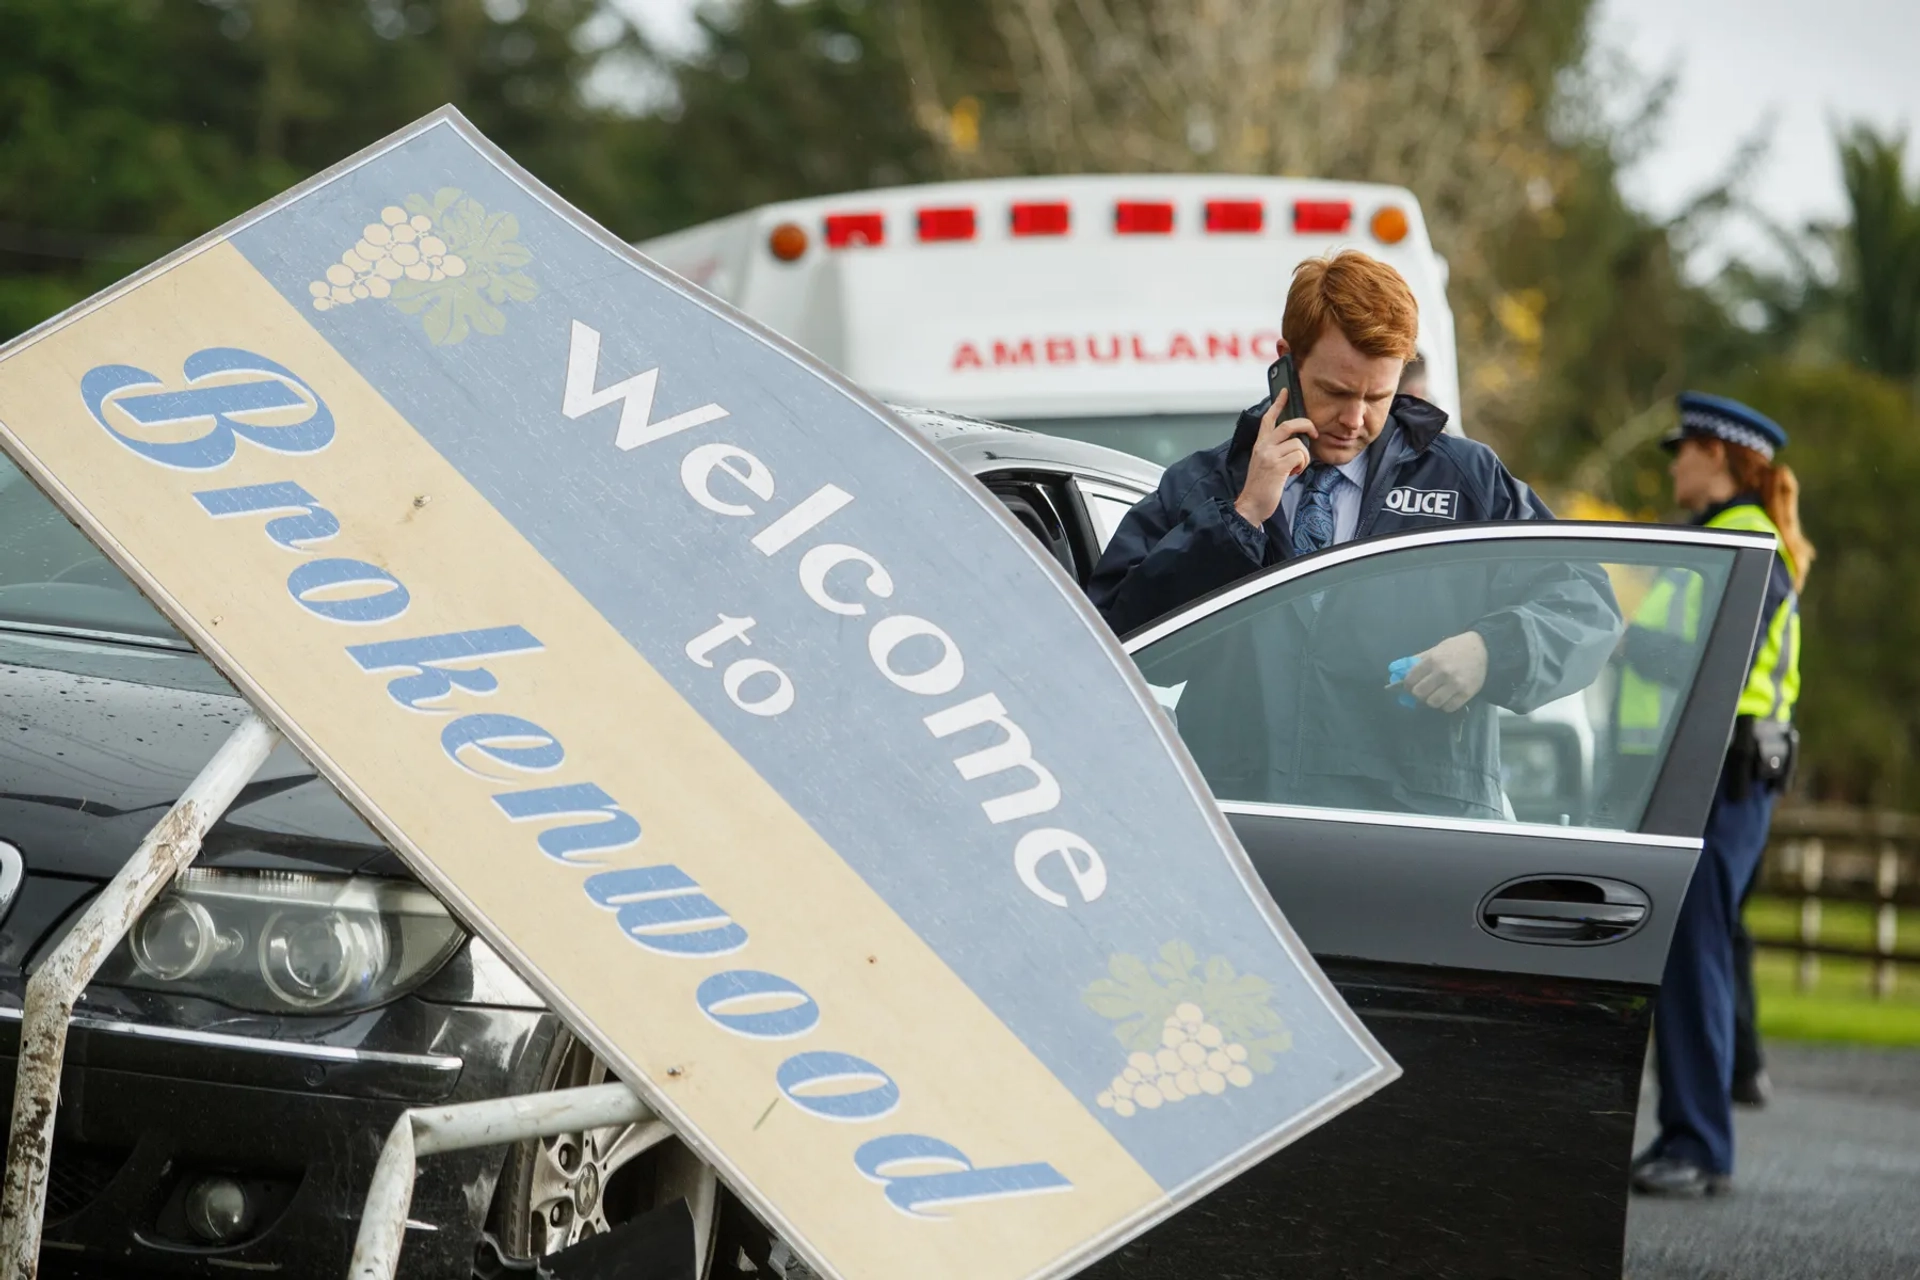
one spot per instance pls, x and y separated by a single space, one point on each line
1358 459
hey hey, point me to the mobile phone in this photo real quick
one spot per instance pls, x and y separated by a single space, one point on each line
1281 377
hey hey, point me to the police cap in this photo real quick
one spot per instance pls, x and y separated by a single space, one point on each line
1723 419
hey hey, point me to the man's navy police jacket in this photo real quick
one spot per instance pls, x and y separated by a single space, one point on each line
1332 734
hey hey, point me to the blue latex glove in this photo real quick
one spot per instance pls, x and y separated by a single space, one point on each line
1397 674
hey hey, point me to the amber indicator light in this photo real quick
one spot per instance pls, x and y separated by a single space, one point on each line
788 241
1389 225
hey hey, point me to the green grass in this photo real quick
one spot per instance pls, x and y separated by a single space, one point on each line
1840 1006
1849 924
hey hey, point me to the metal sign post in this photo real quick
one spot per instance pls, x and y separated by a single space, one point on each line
427 1131
64 974
748 728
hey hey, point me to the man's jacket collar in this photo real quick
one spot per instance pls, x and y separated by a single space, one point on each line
1412 425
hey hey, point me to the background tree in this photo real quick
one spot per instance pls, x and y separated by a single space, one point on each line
130 126
1452 101
1837 324
780 100
1856 449
1881 289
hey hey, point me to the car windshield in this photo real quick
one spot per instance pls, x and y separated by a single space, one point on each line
1162 438
51 576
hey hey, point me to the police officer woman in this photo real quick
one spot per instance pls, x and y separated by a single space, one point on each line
1723 471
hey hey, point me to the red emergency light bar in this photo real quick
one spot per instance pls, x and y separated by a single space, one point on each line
849 230
1235 215
1143 217
955 223
1322 216
1049 218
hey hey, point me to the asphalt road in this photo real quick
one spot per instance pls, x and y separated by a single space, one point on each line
1827 1184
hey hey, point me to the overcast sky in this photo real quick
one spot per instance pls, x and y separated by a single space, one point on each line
1808 62
1811 63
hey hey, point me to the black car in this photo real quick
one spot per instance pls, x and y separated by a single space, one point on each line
234 1070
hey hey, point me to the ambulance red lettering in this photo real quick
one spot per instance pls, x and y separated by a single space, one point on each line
1113 348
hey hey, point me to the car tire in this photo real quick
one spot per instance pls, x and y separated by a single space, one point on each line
559 1191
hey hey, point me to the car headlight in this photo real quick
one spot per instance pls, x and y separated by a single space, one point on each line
280 942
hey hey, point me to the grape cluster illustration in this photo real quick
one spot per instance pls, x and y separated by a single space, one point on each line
1194 1058
395 248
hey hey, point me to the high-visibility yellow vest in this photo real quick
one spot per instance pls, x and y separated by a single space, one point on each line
1672 607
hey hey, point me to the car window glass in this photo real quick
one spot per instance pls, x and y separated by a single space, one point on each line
1288 695
1107 513
1107 505
52 576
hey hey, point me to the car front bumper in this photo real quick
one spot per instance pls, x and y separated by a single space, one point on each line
149 1109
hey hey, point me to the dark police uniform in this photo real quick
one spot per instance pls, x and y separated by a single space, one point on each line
1185 539
1549 627
1700 994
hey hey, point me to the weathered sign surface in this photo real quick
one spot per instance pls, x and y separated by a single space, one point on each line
749 729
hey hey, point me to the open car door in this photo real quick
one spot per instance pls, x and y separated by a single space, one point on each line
1505 947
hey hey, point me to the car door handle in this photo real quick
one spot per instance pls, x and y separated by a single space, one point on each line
1565 910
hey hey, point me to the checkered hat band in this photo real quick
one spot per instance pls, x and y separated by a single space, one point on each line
1714 424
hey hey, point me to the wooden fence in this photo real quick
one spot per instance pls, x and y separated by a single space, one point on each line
1824 854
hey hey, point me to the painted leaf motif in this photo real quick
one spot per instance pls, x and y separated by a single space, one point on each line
514 287
456 306
443 199
1138 997
1177 960
1132 999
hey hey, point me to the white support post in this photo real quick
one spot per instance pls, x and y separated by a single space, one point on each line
427 1131
60 979
1887 919
1813 863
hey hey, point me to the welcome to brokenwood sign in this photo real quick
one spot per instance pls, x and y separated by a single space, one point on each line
752 731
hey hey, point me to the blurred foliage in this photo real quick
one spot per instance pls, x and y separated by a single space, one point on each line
1617 324
1881 293
1832 335
1856 449
784 99
129 126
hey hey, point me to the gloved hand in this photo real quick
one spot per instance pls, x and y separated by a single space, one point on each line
1397 675
1451 674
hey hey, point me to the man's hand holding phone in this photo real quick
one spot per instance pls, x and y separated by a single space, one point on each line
1279 454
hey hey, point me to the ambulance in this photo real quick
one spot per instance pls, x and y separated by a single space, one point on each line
1138 312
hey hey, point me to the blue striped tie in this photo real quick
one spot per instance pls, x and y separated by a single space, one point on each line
1313 518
